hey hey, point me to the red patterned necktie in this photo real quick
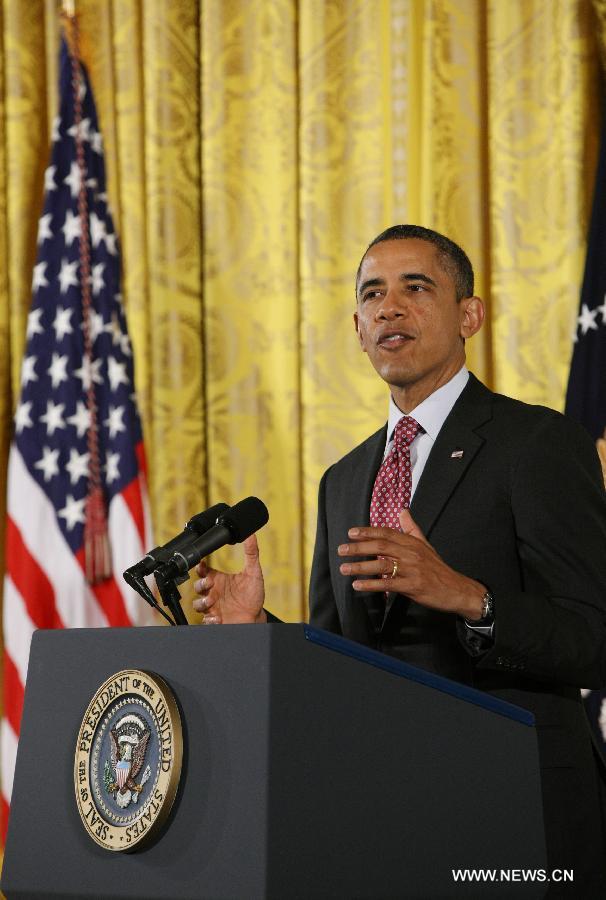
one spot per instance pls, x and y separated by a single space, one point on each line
393 484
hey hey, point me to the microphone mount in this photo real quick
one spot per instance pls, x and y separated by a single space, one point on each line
232 526
202 535
154 559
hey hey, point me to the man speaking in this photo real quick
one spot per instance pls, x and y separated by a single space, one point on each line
467 536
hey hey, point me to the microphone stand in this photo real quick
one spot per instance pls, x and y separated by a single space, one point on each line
231 527
138 584
170 596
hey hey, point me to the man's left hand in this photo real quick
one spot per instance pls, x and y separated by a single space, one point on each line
419 572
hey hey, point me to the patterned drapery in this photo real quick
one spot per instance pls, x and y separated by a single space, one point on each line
254 147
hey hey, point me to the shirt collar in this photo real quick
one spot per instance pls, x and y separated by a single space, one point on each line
432 412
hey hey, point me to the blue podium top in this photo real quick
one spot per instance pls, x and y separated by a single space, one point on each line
412 673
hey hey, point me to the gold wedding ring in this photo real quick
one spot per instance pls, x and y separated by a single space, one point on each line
394 571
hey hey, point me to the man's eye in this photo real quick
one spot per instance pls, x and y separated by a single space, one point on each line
416 288
370 295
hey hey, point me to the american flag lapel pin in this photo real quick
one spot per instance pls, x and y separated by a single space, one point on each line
457 454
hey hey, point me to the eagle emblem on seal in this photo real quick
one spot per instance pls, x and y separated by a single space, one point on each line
128 738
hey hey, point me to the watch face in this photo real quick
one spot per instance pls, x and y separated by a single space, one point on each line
487 609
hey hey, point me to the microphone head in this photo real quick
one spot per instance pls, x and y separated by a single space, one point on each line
244 518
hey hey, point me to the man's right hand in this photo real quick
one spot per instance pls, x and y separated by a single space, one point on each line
232 599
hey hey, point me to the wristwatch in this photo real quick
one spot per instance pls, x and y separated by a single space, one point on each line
487 618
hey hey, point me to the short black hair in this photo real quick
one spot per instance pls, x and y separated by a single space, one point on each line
452 257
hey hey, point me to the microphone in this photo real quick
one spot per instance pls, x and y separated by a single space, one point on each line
233 526
197 525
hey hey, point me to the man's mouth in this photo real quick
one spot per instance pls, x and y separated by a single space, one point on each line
394 339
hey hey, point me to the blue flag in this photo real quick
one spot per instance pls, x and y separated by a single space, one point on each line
586 395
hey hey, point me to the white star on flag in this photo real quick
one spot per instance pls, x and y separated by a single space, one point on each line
97 142
48 463
72 229
84 130
88 370
49 178
39 279
602 310
80 419
53 417
96 325
55 133
62 324
22 417
56 370
113 328
587 318
112 472
97 230
114 420
96 279
33 323
110 243
28 371
67 275
72 512
77 465
73 179
44 229
116 372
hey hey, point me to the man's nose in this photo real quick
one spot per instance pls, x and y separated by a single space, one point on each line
393 306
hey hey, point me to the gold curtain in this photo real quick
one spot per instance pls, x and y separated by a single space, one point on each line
254 147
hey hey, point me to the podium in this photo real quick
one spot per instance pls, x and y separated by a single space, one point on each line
312 768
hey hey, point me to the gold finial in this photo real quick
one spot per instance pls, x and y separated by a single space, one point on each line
70 25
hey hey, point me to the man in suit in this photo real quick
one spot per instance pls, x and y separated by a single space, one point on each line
496 573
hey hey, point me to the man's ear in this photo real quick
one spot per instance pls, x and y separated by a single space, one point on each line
358 332
472 316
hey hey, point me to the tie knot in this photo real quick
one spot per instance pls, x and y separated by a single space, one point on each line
406 431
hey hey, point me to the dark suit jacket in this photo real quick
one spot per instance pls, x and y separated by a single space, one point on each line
523 511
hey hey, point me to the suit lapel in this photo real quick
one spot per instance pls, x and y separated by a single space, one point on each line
452 454
355 510
363 474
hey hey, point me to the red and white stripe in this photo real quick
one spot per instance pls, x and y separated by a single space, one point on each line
45 586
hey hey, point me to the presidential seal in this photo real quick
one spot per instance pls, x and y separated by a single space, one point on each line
128 759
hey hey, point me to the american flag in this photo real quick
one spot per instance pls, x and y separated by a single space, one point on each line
50 459
586 396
